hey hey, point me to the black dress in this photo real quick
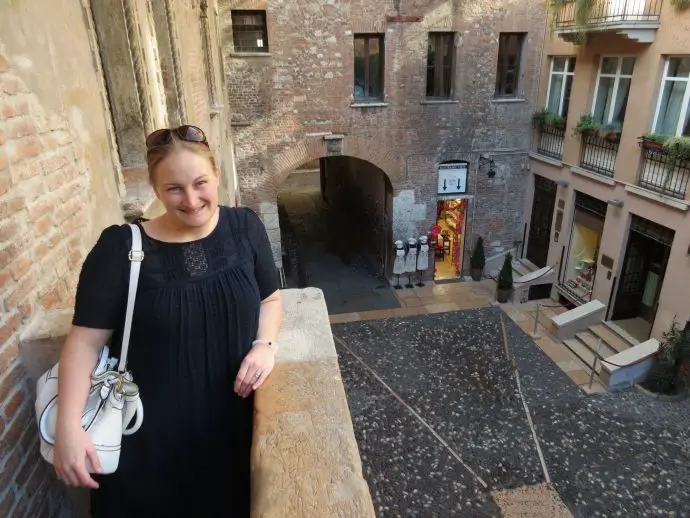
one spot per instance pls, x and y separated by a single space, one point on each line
196 315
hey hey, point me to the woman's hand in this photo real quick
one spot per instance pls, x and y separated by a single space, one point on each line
72 454
255 368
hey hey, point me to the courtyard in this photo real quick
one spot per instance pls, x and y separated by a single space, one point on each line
456 411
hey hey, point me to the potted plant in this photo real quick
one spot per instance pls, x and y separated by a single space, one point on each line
545 118
587 126
669 375
504 286
654 141
610 132
477 260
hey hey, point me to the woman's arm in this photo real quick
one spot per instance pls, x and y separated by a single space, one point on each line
259 362
77 360
72 445
270 319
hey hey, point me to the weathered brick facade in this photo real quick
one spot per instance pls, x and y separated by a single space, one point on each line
74 92
304 85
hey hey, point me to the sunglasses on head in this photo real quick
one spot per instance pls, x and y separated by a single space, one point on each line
186 132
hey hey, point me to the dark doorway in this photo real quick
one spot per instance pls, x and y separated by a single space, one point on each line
540 230
336 232
540 222
642 276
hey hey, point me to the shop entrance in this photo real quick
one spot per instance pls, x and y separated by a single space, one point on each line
448 237
540 221
585 238
644 267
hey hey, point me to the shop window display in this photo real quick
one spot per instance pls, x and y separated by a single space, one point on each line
583 255
449 238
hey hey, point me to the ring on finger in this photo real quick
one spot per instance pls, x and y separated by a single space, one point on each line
258 375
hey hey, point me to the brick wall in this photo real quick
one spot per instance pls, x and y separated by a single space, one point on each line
305 86
44 227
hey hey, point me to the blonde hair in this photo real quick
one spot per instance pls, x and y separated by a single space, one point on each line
157 154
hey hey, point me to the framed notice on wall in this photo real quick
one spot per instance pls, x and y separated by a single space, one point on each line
452 178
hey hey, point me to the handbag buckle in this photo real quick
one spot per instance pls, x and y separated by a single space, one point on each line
136 255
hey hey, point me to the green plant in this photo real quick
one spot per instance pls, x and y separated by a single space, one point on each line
505 276
539 118
544 117
669 372
681 4
586 122
678 147
582 12
656 137
478 259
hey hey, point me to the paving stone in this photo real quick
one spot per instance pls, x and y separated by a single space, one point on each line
611 454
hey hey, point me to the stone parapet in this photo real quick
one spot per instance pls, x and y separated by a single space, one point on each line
305 459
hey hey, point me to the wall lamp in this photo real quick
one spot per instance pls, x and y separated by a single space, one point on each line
615 202
490 162
562 183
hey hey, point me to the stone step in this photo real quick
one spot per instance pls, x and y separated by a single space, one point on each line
590 340
529 264
519 269
612 339
616 329
583 352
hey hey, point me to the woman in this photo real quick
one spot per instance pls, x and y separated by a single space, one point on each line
206 320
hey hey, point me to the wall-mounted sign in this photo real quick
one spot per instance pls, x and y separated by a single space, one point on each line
452 178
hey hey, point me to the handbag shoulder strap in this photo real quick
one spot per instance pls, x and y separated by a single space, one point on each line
136 256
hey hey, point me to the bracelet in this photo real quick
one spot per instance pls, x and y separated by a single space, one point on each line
268 343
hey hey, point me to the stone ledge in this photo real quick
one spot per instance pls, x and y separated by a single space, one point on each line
547 160
305 459
250 55
675 203
369 105
508 100
606 180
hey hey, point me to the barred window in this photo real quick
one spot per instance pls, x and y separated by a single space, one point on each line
249 31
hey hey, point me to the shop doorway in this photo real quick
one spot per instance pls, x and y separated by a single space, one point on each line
448 238
580 269
644 268
540 222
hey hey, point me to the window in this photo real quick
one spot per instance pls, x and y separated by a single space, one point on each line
612 90
368 66
439 65
508 70
560 85
249 32
672 112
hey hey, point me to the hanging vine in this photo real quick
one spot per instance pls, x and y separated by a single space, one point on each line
581 11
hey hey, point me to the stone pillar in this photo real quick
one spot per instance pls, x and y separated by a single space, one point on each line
169 55
129 50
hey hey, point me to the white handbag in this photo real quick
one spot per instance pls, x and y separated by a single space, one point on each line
113 400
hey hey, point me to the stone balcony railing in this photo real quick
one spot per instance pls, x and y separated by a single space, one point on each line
305 459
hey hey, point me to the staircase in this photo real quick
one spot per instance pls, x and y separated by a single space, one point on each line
613 341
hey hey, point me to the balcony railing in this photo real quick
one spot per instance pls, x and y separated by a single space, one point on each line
663 173
603 12
550 142
598 154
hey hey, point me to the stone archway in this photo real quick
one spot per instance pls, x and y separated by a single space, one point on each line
334 222
277 168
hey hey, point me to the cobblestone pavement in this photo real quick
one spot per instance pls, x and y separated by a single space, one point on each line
442 427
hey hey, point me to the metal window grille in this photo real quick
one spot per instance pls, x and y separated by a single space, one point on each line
249 31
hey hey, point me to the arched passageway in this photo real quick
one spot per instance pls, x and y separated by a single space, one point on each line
336 231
